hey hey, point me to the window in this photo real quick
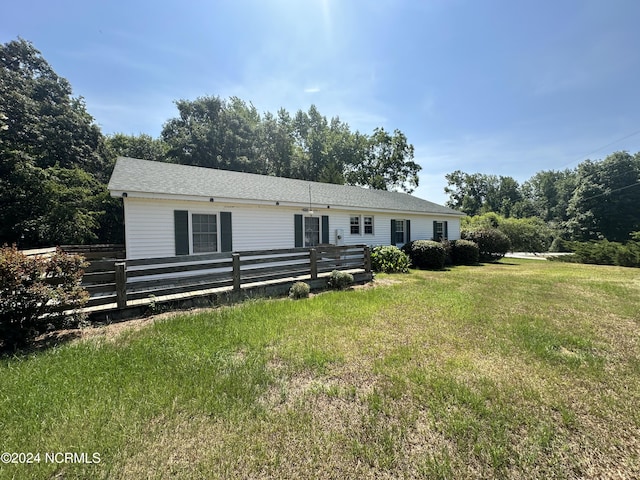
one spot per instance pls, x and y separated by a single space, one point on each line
355 225
204 230
368 225
440 231
311 231
399 234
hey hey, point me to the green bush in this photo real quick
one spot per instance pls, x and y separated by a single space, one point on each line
340 280
299 290
389 259
628 255
560 245
603 252
426 254
464 252
527 234
492 243
34 292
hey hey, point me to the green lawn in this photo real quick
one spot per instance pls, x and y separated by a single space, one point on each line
521 369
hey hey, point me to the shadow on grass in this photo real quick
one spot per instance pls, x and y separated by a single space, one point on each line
42 343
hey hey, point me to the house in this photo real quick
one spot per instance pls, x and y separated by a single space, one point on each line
172 209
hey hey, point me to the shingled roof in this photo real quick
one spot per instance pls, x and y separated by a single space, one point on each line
148 178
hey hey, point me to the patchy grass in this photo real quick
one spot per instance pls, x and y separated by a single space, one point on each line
523 369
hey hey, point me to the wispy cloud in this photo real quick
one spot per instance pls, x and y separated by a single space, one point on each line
312 90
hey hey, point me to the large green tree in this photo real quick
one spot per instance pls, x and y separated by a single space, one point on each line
477 193
605 202
387 163
53 163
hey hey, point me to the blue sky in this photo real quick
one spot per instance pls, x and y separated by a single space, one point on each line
497 87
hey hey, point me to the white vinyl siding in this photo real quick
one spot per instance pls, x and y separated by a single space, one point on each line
149 230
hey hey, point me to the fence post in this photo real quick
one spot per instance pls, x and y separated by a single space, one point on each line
313 257
121 284
236 271
367 259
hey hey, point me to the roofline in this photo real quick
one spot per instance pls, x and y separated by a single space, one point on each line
270 203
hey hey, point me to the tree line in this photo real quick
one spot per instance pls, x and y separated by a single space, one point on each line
55 162
596 200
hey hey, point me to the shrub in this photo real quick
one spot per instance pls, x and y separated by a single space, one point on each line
560 245
35 291
608 253
527 234
628 255
340 280
492 243
603 252
448 251
427 254
299 290
389 259
465 252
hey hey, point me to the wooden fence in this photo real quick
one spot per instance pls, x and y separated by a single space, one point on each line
120 282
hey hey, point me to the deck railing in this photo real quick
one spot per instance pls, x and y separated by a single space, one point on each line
122 281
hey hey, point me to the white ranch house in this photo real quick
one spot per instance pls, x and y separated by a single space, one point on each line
172 209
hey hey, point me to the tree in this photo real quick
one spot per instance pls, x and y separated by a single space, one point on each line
275 143
52 156
478 193
605 203
136 146
195 137
547 194
387 163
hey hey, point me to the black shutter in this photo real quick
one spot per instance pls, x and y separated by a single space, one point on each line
408 231
393 232
446 231
435 229
297 225
181 229
225 232
325 229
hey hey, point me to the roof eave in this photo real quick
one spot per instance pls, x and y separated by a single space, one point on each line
120 193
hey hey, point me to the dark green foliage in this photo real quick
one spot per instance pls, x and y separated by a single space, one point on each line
32 292
628 255
605 202
387 163
492 243
478 193
232 135
426 254
604 253
559 245
340 280
136 146
299 290
525 234
53 162
389 259
464 252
